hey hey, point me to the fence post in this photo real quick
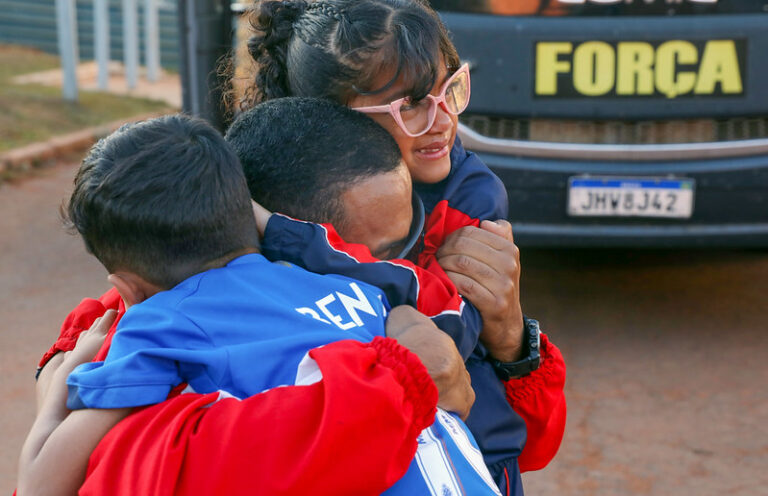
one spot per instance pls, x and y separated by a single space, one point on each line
130 42
151 40
66 31
101 39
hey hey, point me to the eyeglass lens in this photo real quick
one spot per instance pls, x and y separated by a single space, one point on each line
416 116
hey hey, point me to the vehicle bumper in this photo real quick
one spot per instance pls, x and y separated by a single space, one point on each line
641 236
730 203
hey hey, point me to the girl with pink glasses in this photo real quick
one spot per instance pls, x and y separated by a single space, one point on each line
393 60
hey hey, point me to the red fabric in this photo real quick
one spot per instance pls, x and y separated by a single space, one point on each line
81 318
539 399
354 432
443 221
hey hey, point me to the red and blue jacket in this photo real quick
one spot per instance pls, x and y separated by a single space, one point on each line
471 193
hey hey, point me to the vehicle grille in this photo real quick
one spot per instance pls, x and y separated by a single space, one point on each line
618 132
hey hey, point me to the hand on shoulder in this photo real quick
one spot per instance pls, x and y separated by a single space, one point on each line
439 355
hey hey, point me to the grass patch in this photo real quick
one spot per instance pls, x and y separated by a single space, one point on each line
33 113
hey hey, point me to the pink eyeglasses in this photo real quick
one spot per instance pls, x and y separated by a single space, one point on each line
416 118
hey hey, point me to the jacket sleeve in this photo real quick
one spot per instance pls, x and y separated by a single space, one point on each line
540 400
426 286
470 194
288 440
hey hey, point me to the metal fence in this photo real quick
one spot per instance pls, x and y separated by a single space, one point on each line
189 35
33 23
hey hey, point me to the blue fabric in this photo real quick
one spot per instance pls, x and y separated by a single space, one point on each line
499 430
463 327
306 244
245 328
232 328
445 450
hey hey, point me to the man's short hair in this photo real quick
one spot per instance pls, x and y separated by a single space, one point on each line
161 198
301 154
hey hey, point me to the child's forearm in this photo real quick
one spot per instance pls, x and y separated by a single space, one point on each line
55 455
31 479
44 378
51 412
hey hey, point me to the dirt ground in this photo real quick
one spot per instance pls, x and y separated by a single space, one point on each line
667 352
667 356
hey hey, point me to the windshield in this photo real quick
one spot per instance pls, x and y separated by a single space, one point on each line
601 7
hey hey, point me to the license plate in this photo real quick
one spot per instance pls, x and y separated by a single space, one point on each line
630 197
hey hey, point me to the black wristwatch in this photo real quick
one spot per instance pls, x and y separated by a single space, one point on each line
531 360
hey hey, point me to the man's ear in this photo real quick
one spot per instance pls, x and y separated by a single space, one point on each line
132 288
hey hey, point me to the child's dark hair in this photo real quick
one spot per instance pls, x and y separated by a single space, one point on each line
300 154
336 48
162 198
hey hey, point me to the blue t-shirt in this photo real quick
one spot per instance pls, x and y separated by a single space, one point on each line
242 328
247 327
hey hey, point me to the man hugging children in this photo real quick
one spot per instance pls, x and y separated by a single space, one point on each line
164 206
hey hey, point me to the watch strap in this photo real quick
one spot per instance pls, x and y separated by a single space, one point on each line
531 349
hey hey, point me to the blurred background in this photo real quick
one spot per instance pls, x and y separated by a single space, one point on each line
633 141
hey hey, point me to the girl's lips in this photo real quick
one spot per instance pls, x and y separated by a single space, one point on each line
434 151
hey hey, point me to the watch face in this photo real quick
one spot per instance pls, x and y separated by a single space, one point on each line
527 364
534 357
534 334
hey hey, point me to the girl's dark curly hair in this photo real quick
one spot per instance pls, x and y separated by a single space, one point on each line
336 49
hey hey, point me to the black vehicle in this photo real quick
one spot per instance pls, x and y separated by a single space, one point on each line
621 122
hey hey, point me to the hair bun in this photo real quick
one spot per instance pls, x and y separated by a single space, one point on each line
273 25
277 14
292 10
